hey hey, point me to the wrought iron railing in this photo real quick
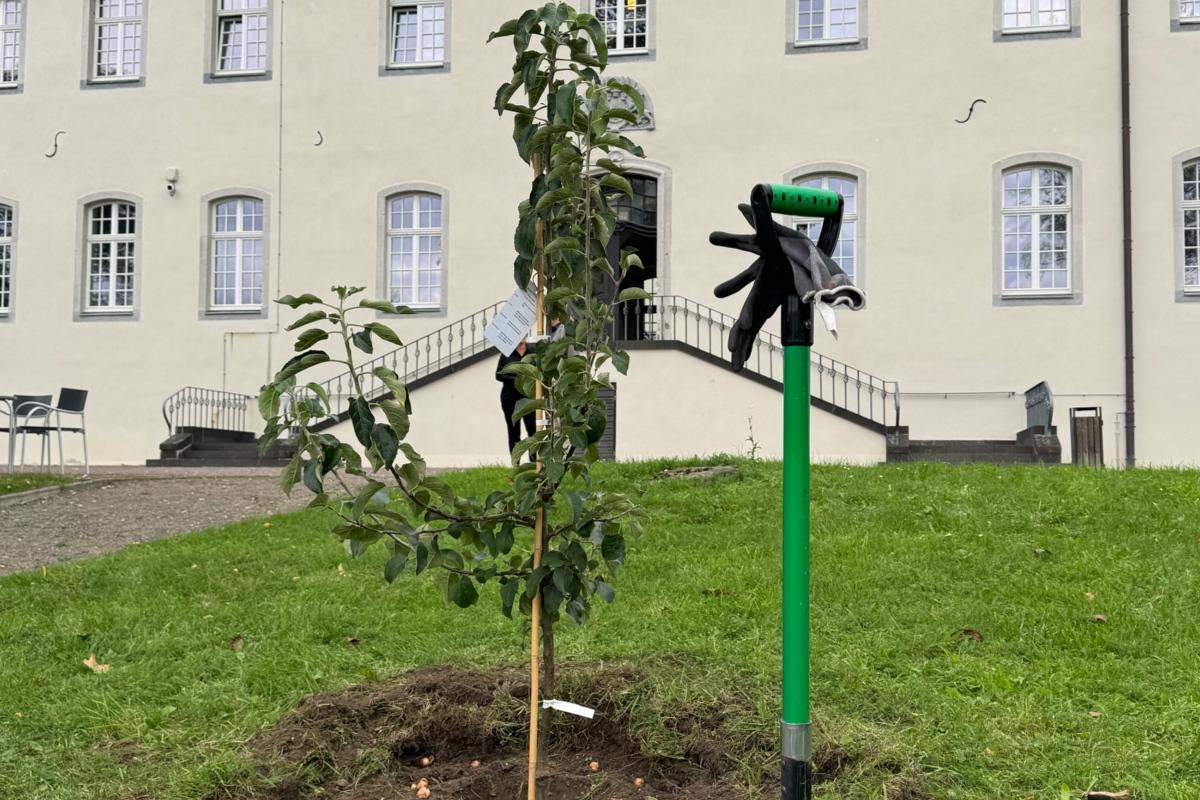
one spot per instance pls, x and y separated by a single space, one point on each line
445 347
193 406
678 319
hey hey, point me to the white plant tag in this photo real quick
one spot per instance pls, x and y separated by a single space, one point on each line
569 708
513 323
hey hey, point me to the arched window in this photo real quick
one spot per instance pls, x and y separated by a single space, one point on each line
415 228
236 254
1037 230
7 234
846 254
1191 226
111 256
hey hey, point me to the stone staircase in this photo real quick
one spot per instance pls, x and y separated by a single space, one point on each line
210 447
1031 446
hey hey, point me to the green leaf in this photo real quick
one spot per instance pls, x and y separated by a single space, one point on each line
632 293
394 566
620 360
562 579
384 306
309 338
507 29
422 558
320 392
364 498
611 166
311 479
307 319
384 332
563 243
526 405
295 302
630 91
362 340
362 419
613 549
386 442
508 593
605 591
613 181
268 402
461 591
300 363
533 581
397 417
291 474
392 381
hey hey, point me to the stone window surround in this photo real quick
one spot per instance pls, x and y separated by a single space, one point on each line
999 34
662 174
7 315
89 81
1074 168
19 86
381 244
795 47
386 68
650 52
1191 294
207 204
859 174
212 43
83 207
1178 25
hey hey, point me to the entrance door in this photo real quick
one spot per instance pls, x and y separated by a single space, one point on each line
637 227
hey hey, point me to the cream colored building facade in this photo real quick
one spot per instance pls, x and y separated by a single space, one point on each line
313 115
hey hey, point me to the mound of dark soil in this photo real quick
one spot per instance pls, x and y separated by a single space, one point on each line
368 742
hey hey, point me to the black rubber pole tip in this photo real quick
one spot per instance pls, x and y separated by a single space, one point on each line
795 780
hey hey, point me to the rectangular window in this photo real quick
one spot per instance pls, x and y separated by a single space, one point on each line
111 256
1026 15
626 24
1189 10
117 34
415 250
845 254
418 34
1036 212
6 265
237 254
10 42
241 36
1191 227
826 20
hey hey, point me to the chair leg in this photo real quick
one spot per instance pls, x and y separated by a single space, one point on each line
87 470
23 435
62 464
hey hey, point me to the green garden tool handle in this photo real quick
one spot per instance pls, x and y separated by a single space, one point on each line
803 201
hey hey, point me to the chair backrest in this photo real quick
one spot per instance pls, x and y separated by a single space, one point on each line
72 399
21 400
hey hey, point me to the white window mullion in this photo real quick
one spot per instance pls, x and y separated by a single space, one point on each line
7 235
1190 212
418 34
118 39
1036 15
10 41
241 42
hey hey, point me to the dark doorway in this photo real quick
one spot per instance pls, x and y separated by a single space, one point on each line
637 227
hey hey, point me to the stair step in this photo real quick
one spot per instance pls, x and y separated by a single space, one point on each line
216 435
233 455
216 462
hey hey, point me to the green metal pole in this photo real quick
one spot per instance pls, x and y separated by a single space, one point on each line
796 733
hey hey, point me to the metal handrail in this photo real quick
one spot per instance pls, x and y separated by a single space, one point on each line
193 406
678 319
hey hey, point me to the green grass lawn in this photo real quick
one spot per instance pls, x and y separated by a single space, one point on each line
23 482
905 559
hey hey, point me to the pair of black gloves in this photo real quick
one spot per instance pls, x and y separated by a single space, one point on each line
788 261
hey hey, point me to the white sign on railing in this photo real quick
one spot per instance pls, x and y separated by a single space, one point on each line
513 323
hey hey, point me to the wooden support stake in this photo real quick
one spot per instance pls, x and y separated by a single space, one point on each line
539 520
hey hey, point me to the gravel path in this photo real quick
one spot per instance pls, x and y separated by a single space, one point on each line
117 508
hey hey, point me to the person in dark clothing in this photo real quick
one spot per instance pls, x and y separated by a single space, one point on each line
510 396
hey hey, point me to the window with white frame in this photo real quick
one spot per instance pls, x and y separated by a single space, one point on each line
1189 10
1036 218
236 253
117 35
241 36
626 23
1021 15
846 252
418 33
1191 226
826 20
414 250
10 42
6 260
111 258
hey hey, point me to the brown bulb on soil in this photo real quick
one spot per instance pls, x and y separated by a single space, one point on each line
426 761
594 766
639 782
423 793
475 764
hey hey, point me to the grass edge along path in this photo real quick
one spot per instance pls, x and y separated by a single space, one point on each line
983 631
12 483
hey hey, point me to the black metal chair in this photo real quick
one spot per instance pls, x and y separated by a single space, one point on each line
70 402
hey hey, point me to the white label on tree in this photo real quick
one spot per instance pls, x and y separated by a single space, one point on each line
513 323
569 708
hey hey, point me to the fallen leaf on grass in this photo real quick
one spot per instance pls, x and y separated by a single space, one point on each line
1089 595
971 633
1099 618
1041 552
237 643
1124 794
1094 714
266 525
987 751
341 570
352 642
95 666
